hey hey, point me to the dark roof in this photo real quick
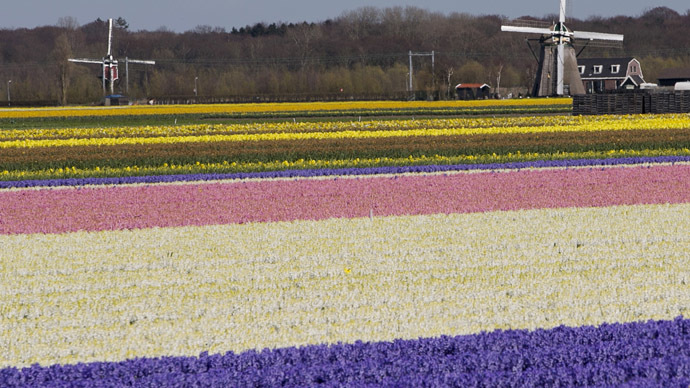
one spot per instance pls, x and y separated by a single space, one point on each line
605 64
675 73
604 61
635 79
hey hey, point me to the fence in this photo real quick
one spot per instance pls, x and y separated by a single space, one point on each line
28 104
637 102
165 100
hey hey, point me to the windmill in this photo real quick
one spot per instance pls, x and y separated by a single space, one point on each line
109 64
558 60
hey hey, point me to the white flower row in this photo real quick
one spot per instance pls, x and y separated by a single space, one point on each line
180 291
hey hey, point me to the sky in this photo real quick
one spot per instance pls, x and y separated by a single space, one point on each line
185 15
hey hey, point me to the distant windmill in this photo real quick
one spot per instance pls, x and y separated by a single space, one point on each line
558 60
109 65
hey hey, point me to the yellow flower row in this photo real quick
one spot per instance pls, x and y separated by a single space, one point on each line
268 107
646 121
107 296
302 126
231 167
359 130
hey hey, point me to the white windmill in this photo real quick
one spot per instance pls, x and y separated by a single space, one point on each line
559 69
109 64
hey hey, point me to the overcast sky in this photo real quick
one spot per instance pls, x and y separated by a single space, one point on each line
184 15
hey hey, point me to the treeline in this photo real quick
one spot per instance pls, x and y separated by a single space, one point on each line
358 54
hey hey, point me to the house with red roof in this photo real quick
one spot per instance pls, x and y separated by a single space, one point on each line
474 91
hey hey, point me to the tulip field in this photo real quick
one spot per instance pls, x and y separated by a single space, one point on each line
223 248
331 109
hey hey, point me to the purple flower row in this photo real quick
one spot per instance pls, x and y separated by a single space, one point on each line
342 171
654 353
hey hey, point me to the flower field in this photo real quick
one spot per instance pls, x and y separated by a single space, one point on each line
367 108
508 251
40 154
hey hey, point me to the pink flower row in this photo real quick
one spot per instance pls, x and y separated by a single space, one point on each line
128 207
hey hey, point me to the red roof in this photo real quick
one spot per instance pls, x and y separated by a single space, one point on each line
472 86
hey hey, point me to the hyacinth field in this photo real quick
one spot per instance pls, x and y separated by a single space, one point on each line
237 245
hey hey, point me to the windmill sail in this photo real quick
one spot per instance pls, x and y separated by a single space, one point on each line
597 36
109 71
110 38
84 60
527 30
558 61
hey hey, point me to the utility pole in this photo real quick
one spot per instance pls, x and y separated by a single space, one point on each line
409 85
127 76
433 65
8 93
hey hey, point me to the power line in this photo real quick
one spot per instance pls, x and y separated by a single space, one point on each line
26 65
400 57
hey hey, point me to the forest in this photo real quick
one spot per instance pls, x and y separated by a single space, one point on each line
361 54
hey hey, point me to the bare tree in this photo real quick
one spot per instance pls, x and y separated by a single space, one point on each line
304 36
361 22
498 80
68 22
449 74
61 53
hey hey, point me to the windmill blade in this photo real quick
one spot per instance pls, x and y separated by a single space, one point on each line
529 23
141 61
597 36
527 30
599 44
81 60
110 36
561 17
